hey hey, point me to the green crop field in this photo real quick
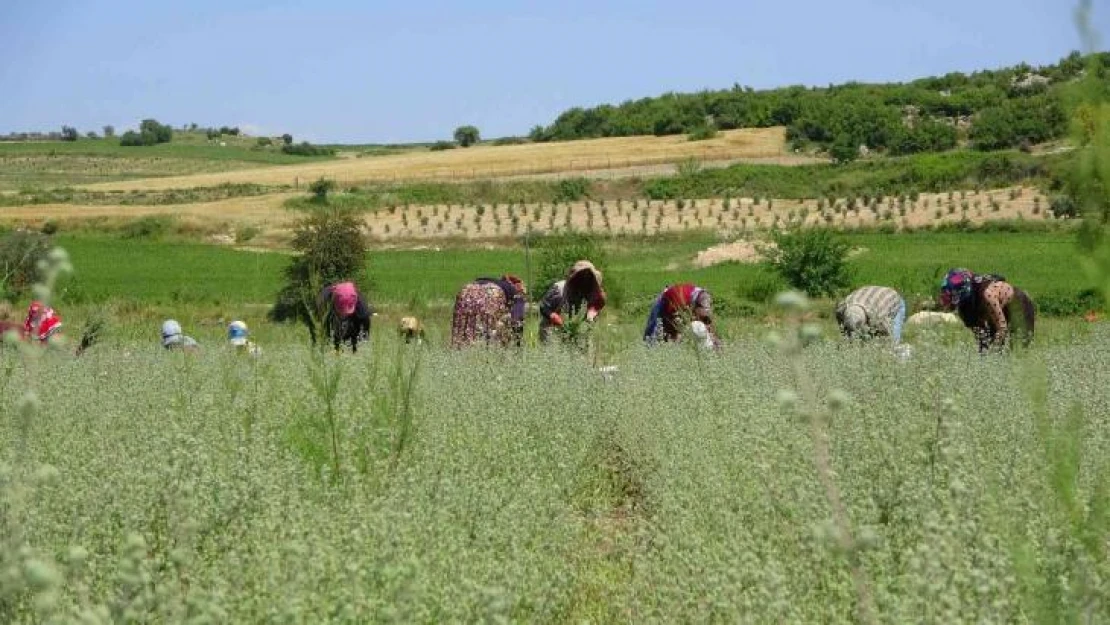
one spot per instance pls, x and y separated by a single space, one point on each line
154 272
423 485
46 164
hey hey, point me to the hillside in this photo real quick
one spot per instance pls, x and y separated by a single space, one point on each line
988 110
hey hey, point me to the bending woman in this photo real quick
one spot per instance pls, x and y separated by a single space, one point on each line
489 310
566 298
674 306
991 307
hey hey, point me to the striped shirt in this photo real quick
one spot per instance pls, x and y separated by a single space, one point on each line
881 304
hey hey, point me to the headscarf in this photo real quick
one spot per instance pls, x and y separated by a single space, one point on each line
345 298
237 333
171 332
956 287
517 303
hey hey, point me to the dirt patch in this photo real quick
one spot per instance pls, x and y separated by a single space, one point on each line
738 251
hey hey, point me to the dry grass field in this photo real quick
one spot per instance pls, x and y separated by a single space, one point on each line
766 145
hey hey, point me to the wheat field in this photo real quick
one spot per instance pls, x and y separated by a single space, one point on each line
489 161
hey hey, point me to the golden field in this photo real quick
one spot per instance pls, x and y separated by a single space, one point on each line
766 145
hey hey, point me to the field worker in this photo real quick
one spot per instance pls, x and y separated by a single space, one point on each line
345 313
872 311
673 307
490 311
41 322
566 298
174 339
991 307
238 337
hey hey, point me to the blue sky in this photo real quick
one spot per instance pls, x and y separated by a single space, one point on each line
372 71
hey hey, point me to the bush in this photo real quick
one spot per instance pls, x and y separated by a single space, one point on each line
287 139
1064 207
701 133
148 227
558 252
571 189
304 148
20 253
442 145
1070 304
330 248
263 142
813 260
69 133
320 189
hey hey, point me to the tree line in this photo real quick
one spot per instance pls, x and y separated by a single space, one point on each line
992 109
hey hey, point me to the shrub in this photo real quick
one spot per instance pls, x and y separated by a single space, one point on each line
264 142
20 253
556 253
330 248
1064 207
571 189
69 133
320 188
305 148
701 133
439 146
813 260
148 227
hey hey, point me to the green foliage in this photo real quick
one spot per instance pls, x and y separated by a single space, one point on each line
69 133
330 248
304 148
571 190
20 253
889 176
287 139
1007 125
320 189
812 260
839 116
466 136
556 254
703 132
148 227
439 146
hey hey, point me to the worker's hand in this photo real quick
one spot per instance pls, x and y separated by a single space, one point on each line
591 314
556 319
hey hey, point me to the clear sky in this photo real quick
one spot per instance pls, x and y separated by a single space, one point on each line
377 71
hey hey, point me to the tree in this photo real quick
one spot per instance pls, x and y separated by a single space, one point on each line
91 134
813 260
466 136
161 133
69 133
330 249
287 139
109 131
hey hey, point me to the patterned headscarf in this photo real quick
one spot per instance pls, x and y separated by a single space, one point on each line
956 287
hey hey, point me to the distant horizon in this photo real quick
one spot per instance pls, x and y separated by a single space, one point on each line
344 72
